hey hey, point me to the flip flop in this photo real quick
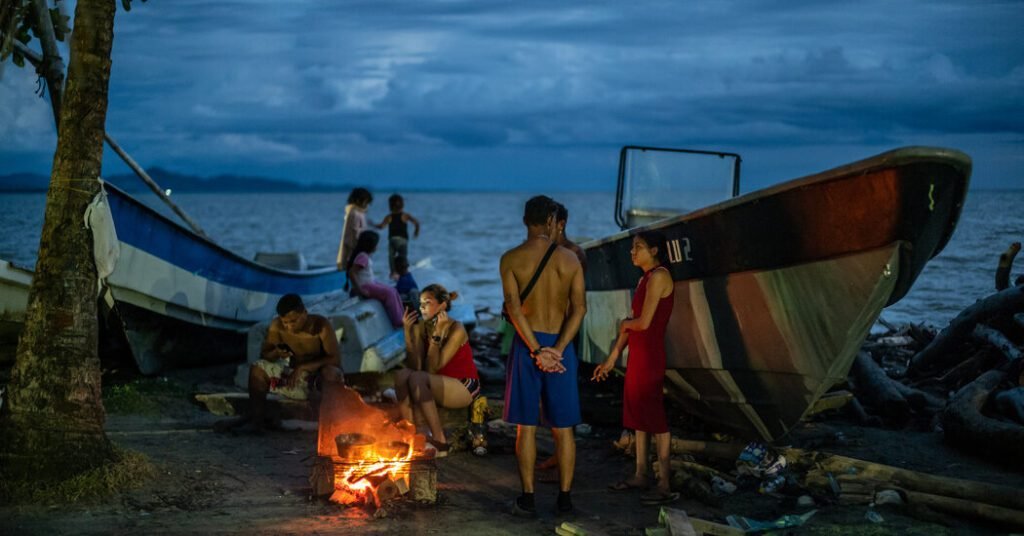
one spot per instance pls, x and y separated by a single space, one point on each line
657 498
626 485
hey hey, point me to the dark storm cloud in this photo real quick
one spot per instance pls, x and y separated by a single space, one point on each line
463 90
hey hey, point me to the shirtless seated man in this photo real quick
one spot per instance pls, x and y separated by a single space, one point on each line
298 359
541 371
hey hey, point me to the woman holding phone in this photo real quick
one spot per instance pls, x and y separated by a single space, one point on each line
440 369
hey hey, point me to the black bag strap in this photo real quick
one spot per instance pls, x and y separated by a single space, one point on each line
536 274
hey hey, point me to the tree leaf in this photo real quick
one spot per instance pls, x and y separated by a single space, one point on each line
23 34
60 24
17 58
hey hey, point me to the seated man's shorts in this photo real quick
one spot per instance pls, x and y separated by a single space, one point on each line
279 372
529 391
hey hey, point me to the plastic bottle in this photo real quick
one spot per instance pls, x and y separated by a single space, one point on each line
772 485
477 428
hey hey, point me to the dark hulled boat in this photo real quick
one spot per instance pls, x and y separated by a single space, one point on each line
775 290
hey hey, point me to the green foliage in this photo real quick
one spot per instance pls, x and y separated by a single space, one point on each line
60 24
146 396
131 470
127 4
17 19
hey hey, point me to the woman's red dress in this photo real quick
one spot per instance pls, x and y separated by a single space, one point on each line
643 405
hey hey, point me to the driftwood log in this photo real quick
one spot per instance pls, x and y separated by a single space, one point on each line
987 512
1005 301
920 401
996 338
1005 265
878 392
966 427
861 476
711 449
966 369
859 480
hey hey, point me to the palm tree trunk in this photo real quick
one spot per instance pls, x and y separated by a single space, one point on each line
51 425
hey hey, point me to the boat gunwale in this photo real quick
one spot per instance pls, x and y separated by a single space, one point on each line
889 159
305 274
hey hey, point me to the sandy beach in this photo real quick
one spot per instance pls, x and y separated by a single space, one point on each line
226 484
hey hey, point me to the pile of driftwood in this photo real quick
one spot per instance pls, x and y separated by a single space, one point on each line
706 472
967 380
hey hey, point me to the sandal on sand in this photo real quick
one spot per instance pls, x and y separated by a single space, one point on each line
659 497
626 485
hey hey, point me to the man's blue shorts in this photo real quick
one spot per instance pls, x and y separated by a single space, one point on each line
528 391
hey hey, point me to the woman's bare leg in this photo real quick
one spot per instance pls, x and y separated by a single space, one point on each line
641 457
447 393
423 396
664 442
402 393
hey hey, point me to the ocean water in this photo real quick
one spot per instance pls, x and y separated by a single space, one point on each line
465 234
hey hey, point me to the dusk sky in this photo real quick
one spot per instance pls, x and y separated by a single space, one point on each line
540 95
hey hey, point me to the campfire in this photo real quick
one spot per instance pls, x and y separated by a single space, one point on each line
372 459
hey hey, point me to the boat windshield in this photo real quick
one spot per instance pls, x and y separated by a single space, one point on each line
655 184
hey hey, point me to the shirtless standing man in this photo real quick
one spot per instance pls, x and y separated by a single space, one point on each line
561 219
542 364
299 359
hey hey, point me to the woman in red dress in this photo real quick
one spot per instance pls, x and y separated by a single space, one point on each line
643 408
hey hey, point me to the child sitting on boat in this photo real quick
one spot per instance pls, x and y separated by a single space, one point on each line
362 282
355 223
398 231
406 286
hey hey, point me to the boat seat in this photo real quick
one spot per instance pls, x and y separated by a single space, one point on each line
287 260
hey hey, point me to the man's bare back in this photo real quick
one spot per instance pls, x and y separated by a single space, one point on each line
545 308
542 361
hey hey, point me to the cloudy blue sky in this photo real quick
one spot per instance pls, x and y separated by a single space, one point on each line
533 95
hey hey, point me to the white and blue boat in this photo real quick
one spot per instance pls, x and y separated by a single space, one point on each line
178 299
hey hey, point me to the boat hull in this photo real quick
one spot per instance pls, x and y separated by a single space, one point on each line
776 290
180 300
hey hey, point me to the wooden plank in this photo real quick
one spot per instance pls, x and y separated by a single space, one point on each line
830 401
703 526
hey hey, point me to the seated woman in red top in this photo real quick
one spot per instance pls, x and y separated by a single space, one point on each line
440 369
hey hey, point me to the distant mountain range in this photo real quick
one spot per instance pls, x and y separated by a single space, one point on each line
177 182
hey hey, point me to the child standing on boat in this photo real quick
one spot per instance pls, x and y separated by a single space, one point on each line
406 286
643 407
398 231
355 223
362 282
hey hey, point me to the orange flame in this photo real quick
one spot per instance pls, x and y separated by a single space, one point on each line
343 411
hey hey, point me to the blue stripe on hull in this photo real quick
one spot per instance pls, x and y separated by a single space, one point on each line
143 228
